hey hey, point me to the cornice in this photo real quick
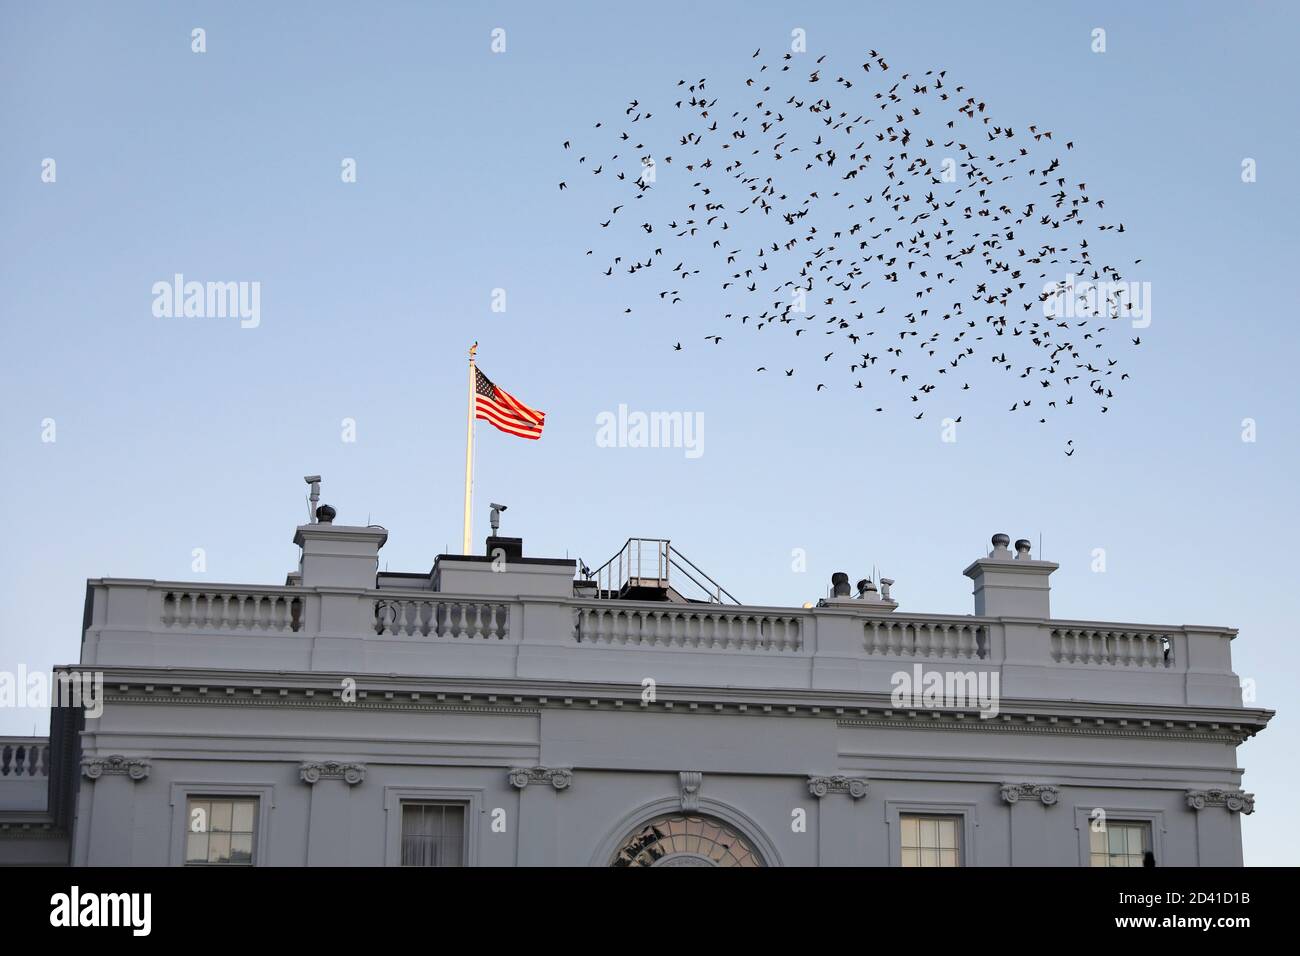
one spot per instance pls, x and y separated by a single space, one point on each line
26 830
1032 724
519 697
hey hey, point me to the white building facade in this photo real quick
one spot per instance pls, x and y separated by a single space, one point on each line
502 710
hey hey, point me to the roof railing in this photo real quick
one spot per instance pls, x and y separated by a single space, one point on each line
648 563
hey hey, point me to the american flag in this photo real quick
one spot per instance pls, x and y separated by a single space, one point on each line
498 407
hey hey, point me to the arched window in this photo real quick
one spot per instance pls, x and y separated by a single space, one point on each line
686 839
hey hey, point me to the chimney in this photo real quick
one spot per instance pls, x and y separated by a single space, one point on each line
1011 586
339 556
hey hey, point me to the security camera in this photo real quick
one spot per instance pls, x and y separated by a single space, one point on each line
496 516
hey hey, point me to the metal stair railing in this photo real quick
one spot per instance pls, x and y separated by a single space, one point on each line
644 560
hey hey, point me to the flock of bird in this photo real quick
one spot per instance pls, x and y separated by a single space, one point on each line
894 215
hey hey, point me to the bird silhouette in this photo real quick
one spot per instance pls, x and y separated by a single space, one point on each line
812 199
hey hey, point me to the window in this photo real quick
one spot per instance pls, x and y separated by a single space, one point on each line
433 834
220 831
930 840
688 839
1119 844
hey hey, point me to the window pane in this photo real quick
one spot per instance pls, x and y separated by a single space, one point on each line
1122 844
196 848
948 834
219 848
1118 837
929 840
929 833
220 831
241 848
433 834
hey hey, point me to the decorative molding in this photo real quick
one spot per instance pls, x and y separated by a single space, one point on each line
560 778
1044 792
313 772
1236 801
855 787
1027 724
501 699
31 831
691 782
137 768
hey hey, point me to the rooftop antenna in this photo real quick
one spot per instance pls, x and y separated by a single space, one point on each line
313 498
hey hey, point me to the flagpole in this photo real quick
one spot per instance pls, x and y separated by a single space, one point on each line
469 452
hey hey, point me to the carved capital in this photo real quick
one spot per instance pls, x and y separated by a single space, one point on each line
1235 801
137 768
691 782
313 771
855 787
1045 793
560 778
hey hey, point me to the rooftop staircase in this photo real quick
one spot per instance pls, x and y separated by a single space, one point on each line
651 569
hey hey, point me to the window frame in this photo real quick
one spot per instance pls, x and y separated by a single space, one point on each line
183 792
966 814
395 797
941 818
1154 820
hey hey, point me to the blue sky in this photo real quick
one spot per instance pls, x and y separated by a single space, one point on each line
175 434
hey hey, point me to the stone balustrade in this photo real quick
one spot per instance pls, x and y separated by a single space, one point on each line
840 647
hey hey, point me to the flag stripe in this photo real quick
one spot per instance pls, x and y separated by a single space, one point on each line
503 411
490 414
520 407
